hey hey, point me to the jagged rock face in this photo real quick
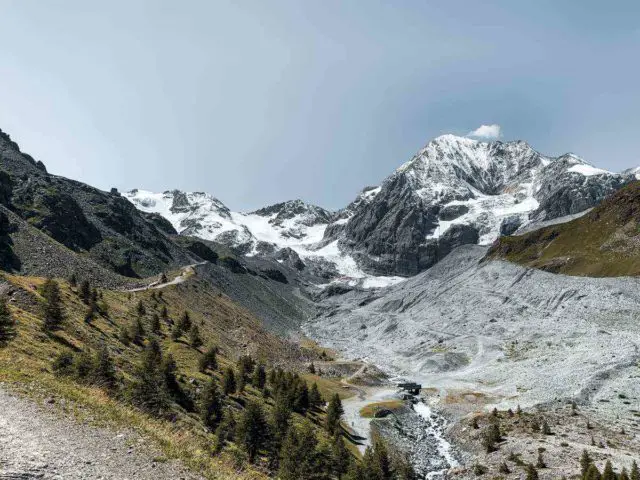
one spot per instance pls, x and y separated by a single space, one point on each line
297 210
565 192
83 218
262 232
459 191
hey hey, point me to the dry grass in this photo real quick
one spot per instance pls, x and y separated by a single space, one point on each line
371 410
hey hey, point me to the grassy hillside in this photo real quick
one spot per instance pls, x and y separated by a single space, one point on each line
603 243
31 361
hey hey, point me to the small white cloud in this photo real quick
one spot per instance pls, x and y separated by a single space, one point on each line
487 132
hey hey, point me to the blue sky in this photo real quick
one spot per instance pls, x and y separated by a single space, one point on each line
258 102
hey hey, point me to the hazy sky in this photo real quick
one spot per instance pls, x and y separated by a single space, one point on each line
263 101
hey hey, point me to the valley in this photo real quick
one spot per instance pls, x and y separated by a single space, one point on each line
500 279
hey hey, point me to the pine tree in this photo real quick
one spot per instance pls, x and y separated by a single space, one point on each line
140 310
194 337
593 473
163 278
226 429
312 369
229 381
280 419
635 471
136 332
585 461
608 473
155 324
259 377
334 414
532 473
315 399
546 429
252 431
381 460
356 471
299 455
624 475
185 322
105 371
176 332
7 323
85 291
164 313
540 462
92 309
341 456
211 405
301 402
208 360
149 392
168 369
52 311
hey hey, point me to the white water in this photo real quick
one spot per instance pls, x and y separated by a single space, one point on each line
435 431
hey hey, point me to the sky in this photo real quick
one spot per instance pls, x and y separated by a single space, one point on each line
262 101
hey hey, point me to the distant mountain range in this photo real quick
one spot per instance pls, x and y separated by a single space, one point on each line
454 191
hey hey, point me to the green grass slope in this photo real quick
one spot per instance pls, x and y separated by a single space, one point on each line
603 243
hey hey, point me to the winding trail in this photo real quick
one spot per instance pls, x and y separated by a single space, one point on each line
38 442
186 272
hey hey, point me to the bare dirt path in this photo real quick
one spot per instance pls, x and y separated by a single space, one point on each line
37 442
184 274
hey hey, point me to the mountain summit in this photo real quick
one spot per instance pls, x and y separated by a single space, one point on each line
454 191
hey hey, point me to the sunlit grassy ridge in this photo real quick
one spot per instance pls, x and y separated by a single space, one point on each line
603 243
26 362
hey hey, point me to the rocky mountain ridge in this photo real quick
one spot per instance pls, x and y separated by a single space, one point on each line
454 191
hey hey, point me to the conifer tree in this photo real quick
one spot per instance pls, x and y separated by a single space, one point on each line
105 370
280 420
149 392
585 461
73 280
185 322
624 475
252 431
52 311
137 332
208 360
229 381
7 323
176 332
635 471
259 377
540 462
315 399
163 278
211 405
194 337
85 291
356 471
532 473
301 402
334 414
226 429
140 310
593 473
299 456
164 312
155 323
341 456
608 473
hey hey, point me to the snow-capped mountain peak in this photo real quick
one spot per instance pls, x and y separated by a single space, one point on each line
455 190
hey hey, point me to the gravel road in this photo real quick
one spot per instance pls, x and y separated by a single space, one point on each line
36 442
